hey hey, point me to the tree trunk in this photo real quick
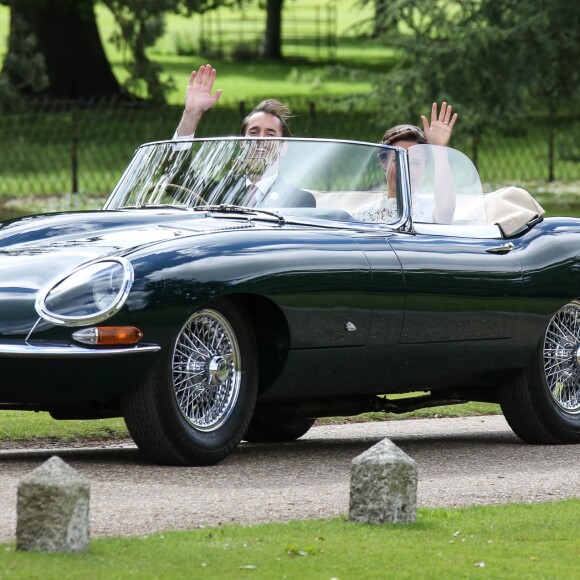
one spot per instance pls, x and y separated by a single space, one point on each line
68 38
272 47
380 25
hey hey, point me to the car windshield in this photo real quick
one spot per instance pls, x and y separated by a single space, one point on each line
343 180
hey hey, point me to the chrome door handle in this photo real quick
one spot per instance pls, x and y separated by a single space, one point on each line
503 249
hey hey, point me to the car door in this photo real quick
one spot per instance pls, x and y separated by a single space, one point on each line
341 326
463 290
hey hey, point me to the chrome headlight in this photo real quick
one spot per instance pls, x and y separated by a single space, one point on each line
87 295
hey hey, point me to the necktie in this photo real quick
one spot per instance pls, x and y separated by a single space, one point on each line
252 195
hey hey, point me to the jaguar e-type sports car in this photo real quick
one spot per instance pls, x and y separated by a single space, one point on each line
240 288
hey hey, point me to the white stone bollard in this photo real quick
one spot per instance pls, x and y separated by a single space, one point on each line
383 486
53 509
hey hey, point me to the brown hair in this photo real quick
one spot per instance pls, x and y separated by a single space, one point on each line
274 108
404 133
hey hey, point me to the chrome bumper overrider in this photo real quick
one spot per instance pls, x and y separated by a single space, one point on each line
47 349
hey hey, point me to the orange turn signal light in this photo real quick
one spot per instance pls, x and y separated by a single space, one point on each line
109 335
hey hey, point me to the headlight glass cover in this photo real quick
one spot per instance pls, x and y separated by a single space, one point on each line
87 295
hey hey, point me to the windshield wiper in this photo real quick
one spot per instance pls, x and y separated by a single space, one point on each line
156 205
228 208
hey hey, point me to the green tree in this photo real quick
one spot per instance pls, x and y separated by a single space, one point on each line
58 41
24 66
495 60
552 36
379 20
66 39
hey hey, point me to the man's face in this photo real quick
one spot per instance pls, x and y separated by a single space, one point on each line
264 125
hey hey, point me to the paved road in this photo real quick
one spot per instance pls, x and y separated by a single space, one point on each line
461 462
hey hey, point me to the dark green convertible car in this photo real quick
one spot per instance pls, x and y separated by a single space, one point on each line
240 288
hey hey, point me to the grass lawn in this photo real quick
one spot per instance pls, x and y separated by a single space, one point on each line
178 52
252 81
504 541
27 426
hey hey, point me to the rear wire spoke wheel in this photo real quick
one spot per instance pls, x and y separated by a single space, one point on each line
562 358
542 405
197 404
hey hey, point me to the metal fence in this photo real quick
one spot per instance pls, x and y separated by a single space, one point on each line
63 147
309 30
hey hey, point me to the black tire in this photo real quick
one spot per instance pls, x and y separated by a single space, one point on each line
542 405
277 429
196 405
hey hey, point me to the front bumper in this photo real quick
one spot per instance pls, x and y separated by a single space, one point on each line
36 349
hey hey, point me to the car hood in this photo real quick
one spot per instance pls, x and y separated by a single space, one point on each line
36 249
102 232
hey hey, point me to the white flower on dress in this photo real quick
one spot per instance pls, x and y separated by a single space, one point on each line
385 210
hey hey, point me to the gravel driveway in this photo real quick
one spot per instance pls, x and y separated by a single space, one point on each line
461 461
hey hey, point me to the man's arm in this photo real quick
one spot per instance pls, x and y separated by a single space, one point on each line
198 99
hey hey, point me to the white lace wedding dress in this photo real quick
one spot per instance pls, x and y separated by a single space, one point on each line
386 211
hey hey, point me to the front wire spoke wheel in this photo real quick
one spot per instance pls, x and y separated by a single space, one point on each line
207 370
195 404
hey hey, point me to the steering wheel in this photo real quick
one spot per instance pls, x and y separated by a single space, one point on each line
177 192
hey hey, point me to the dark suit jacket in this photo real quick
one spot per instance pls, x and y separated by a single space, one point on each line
233 190
284 194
